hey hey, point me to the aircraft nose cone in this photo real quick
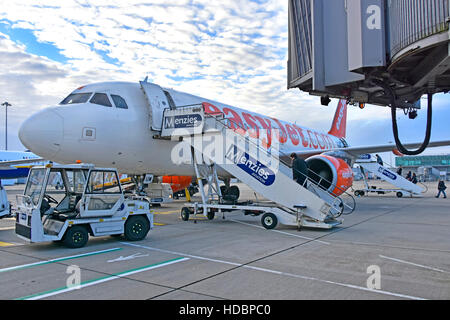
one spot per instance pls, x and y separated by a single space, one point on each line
42 133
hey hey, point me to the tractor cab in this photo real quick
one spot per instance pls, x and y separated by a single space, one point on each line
58 198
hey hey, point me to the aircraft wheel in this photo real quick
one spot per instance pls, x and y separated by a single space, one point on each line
234 190
136 228
399 194
185 212
269 220
75 237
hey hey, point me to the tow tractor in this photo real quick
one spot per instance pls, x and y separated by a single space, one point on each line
91 201
5 206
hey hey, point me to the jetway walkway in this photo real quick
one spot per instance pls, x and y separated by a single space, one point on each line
403 187
217 143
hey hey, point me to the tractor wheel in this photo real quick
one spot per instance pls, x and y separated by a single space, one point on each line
75 237
136 228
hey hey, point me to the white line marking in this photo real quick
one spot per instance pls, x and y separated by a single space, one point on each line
278 231
414 264
102 280
42 262
280 272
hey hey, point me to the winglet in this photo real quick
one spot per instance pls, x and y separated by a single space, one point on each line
338 128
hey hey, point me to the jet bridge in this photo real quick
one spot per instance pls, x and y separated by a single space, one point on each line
382 52
215 141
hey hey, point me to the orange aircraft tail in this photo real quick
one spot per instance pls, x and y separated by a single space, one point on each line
339 126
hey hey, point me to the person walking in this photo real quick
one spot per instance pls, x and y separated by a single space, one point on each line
441 188
299 169
414 178
379 160
399 171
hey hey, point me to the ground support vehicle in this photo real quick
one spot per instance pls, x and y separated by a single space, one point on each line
91 202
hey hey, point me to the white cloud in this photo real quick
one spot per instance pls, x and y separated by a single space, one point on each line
230 51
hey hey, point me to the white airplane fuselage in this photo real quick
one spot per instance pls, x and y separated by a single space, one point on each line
123 139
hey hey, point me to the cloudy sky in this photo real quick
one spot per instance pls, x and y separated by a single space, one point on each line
231 51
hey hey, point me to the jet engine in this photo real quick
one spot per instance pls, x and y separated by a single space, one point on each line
332 174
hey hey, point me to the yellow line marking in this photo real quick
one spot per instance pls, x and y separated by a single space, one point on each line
5 244
159 224
7 228
167 212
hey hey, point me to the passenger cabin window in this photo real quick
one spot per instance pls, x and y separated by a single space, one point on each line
76 98
101 99
119 101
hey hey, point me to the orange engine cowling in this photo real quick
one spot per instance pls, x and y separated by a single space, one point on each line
177 183
336 174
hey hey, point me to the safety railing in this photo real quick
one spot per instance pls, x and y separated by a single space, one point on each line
338 202
346 207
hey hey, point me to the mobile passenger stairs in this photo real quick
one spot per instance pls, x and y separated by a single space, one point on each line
216 143
402 186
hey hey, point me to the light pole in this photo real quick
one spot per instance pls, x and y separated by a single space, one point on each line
6 104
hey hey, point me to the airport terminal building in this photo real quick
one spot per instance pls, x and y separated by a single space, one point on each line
427 168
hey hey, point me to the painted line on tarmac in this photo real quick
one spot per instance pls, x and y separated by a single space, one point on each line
40 263
399 295
93 282
414 264
6 244
278 231
166 212
7 228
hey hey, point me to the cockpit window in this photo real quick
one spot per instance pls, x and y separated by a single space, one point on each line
76 98
101 99
119 101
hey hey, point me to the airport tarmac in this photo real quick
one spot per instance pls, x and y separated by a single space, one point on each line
389 248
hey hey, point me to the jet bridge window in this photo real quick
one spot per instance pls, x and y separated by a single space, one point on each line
76 98
101 99
119 101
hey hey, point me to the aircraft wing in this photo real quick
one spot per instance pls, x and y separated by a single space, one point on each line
11 163
356 151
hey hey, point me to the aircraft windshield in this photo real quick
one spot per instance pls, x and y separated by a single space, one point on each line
76 98
34 184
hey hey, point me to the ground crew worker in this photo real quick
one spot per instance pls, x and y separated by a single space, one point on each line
441 188
379 160
299 169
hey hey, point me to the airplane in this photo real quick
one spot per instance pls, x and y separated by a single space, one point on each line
15 164
117 124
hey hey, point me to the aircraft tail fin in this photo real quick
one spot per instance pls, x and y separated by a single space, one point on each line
339 126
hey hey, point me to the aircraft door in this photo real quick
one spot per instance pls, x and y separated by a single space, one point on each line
157 103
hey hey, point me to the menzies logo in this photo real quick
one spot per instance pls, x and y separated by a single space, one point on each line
256 169
182 121
387 173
